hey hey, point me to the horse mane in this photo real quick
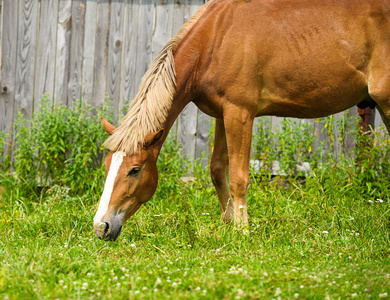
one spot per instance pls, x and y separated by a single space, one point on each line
150 107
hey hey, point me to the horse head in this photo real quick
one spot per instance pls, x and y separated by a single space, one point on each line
131 180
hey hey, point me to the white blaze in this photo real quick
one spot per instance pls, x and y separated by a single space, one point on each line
116 161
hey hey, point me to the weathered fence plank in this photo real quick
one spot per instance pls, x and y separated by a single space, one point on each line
76 51
115 42
89 52
128 86
101 52
25 62
62 52
8 69
1 26
9 45
145 34
46 50
163 23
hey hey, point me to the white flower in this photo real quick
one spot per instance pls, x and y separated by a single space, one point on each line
241 207
211 270
351 218
301 286
174 284
370 201
61 282
132 245
380 201
296 295
240 291
325 232
354 295
278 291
197 289
158 282
384 295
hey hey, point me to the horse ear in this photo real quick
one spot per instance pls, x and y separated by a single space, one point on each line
152 138
108 127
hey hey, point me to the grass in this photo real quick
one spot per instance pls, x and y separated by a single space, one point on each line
323 238
308 241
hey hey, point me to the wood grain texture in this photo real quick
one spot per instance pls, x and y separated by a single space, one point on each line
162 25
186 131
8 67
46 51
115 42
145 33
1 26
25 63
101 51
9 42
89 53
76 51
203 137
62 52
128 86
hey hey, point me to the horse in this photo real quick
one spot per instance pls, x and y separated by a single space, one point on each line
237 60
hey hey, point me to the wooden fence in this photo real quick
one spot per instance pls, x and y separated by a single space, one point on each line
90 49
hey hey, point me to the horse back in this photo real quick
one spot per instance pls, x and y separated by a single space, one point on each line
286 57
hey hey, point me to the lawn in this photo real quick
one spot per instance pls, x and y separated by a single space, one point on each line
324 237
311 240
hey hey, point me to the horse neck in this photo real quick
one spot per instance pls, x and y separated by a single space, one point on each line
183 94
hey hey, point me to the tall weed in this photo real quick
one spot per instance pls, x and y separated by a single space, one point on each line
61 146
363 166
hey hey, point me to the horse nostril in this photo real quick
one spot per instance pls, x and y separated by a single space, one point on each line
106 228
103 229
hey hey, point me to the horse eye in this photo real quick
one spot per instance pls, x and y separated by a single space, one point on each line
134 171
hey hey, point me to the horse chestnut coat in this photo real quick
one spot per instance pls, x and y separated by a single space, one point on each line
237 60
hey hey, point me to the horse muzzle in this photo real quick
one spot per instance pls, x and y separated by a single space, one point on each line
109 229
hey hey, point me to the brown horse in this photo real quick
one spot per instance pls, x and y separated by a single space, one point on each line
236 60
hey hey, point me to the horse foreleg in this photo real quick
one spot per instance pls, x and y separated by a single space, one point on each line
219 168
385 118
238 126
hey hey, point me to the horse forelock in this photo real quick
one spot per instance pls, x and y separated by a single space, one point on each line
149 109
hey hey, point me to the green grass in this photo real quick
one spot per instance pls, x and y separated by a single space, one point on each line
324 238
308 241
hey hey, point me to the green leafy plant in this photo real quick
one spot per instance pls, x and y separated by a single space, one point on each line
61 146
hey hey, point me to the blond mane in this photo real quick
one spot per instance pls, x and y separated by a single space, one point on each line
150 107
